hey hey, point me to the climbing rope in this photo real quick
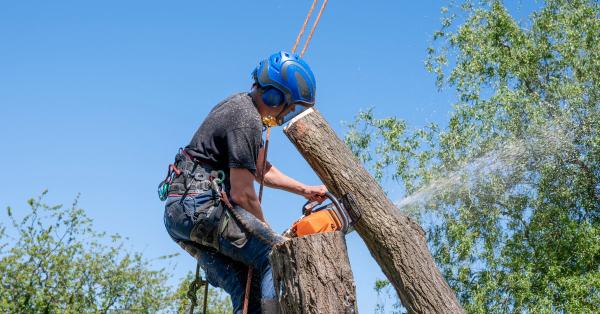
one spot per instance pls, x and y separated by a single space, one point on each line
264 165
205 296
312 31
260 195
193 289
313 28
304 26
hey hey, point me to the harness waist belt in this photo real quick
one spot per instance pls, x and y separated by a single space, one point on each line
192 176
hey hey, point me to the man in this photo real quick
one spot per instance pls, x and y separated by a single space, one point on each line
227 232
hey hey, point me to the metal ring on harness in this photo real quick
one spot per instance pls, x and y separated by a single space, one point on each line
220 176
199 176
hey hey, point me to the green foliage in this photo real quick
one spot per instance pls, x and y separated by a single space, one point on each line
386 295
53 261
509 191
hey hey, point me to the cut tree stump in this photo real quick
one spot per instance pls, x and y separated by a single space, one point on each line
312 275
396 242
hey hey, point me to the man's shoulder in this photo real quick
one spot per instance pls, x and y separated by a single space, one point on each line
238 100
241 110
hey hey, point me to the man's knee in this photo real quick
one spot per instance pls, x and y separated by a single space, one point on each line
191 248
255 227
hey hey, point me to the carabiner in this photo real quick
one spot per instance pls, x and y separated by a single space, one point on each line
220 176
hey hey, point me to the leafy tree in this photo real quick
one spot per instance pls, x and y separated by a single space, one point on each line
509 190
53 261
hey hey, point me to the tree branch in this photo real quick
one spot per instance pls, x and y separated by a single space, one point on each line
590 175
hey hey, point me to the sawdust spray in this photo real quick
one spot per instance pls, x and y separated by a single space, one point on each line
511 157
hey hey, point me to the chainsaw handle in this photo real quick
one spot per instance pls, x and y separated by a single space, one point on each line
309 205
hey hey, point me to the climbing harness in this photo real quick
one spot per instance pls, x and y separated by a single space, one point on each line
187 176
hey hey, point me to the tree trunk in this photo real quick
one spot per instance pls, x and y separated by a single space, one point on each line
312 275
396 242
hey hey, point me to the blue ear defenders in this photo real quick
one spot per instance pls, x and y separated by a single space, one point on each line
272 97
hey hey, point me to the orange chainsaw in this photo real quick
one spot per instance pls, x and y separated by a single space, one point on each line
335 216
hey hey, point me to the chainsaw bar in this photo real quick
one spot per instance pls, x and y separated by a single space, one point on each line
351 207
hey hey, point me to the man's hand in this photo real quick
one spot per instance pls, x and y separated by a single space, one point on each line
315 192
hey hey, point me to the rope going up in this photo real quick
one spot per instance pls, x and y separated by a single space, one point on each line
312 7
313 28
260 195
312 31
264 166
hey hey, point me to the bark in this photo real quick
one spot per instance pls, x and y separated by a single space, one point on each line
396 242
312 275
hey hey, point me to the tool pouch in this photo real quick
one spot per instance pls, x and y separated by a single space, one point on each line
231 231
207 219
213 221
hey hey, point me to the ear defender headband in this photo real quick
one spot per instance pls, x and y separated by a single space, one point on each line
272 97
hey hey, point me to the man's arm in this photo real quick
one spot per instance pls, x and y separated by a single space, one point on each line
276 179
242 191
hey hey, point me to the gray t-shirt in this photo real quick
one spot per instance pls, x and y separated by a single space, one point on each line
230 136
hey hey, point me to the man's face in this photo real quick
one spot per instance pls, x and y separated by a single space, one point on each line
276 115
268 114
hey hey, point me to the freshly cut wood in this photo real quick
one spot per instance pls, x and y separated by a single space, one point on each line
312 275
396 242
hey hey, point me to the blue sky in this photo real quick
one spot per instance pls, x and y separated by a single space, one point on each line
96 97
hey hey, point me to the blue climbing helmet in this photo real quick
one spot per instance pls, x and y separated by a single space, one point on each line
286 80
